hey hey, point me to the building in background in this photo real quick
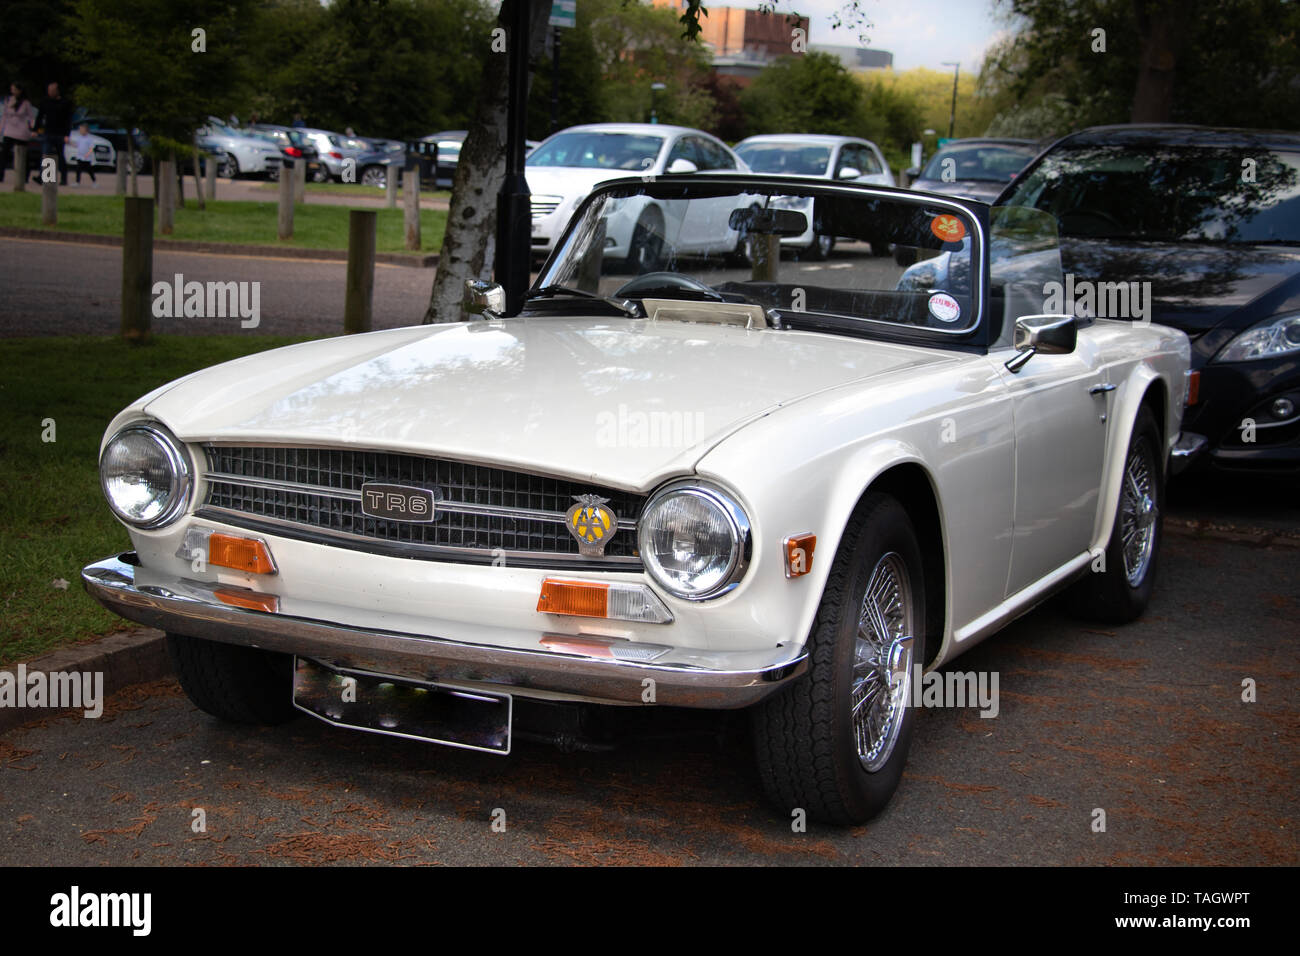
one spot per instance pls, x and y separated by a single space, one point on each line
857 59
744 41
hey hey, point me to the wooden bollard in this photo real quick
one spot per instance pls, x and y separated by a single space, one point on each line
286 202
391 181
119 188
358 301
165 186
50 203
137 267
300 181
210 164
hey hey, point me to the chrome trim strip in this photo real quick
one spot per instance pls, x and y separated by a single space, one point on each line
311 532
441 504
224 478
189 607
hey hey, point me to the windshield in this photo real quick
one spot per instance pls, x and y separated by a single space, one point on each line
981 163
790 159
1168 193
894 261
598 150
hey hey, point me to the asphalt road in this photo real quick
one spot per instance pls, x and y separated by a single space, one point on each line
62 288
1145 722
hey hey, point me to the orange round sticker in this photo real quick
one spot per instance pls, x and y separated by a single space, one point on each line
947 228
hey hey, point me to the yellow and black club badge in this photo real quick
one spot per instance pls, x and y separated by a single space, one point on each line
591 524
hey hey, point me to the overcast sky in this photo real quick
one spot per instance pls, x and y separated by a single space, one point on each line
917 32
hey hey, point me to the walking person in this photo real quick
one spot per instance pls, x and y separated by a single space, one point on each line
55 121
83 151
15 126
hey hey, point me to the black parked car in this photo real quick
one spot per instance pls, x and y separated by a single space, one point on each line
1211 219
973 168
296 147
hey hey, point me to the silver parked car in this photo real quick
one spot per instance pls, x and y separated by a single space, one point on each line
238 153
335 150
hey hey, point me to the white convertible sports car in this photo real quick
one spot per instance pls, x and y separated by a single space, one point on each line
777 487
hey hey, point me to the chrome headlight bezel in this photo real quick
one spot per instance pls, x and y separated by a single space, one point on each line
180 485
1273 327
738 526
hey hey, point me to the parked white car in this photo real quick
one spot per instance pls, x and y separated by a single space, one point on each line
769 487
837 158
239 153
105 156
564 168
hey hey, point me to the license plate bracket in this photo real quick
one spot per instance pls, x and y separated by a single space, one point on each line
398 707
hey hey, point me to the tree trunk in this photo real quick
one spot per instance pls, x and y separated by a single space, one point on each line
130 152
1162 35
198 182
469 242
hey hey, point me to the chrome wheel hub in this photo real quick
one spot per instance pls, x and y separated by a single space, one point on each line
1138 514
882 661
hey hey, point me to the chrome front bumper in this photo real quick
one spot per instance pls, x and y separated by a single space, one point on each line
191 608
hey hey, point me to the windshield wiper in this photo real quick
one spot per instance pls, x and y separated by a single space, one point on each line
625 306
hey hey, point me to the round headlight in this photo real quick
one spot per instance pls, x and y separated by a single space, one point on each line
694 541
145 476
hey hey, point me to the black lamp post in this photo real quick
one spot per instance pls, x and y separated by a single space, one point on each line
514 208
952 116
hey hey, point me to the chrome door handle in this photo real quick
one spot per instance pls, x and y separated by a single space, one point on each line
1101 389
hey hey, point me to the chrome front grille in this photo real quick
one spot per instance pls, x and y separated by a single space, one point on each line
482 514
543 208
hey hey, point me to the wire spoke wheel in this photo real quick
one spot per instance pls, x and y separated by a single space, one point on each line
882 661
1138 512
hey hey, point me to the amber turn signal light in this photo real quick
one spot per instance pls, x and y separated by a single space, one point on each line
241 554
580 598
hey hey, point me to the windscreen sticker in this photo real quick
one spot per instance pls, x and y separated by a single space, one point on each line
944 307
947 228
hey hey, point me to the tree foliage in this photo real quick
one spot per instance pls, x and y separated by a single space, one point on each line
1085 62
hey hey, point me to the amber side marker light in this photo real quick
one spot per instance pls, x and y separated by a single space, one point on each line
613 601
799 554
1193 388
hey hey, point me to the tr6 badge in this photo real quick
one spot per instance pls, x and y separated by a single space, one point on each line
397 502
592 524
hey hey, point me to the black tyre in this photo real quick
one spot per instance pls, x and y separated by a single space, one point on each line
320 174
834 742
646 252
1120 580
229 166
374 176
243 685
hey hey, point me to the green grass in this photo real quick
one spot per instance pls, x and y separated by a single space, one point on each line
53 518
314 227
353 189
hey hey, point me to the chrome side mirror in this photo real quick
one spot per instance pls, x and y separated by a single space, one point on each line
849 172
483 298
1049 334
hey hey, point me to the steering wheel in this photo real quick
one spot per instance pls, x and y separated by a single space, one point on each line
655 281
